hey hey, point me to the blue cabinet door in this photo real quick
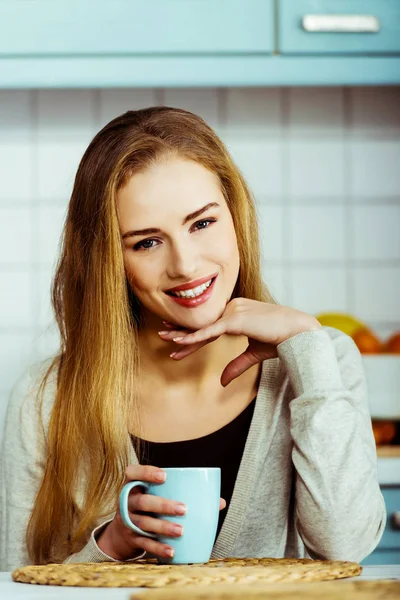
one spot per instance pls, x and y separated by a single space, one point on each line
382 557
83 28
388 550
339 26
391 535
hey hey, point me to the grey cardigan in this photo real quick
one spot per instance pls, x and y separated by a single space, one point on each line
307 484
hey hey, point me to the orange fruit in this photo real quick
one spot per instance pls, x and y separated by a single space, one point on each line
393 344
367 342
384 431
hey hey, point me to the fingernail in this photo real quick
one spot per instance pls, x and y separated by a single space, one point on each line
177 529
173 354
178 338
161 476
169 552
163 332
180 509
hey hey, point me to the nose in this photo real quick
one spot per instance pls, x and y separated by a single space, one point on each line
182 260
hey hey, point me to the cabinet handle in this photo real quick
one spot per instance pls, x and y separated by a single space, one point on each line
341 23
395 520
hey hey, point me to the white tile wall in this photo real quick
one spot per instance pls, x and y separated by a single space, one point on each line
317 169
317 233
114 102
260 160
56 163
15 236
316 112
316 286
375 168
253 111
324 164
375 110
17 160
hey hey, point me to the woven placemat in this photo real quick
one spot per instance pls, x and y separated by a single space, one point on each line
228 571
326 590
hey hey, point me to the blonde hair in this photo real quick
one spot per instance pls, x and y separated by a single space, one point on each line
98 317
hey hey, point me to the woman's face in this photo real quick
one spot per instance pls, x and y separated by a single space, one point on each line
179 247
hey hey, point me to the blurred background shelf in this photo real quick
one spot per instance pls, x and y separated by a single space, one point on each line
388 451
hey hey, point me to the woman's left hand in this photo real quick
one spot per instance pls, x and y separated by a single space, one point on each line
265 325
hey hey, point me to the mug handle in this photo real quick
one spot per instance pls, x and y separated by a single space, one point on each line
123 507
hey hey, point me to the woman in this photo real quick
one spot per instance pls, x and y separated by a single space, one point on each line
150 376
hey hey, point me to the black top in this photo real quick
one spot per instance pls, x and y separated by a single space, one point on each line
222 448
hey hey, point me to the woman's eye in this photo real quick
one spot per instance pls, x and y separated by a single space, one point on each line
143 245
148 244
205 221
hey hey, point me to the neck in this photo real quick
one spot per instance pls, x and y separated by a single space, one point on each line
199 372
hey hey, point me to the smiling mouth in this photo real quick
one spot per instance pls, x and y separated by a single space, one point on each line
194 292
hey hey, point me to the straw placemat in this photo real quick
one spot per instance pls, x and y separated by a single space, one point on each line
228 571
354 590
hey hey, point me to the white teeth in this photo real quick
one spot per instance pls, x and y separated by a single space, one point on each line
197 291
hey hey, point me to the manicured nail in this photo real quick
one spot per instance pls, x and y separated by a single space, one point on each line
180 509
176 529
163 332
161 476
169 552
173 354
178 338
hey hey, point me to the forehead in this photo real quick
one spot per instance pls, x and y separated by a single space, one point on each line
177 186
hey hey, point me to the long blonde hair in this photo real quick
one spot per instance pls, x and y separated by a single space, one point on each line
98 318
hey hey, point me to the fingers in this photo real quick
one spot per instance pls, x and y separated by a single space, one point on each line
139 505
183 352
123 542
173 333
154 547
212 332
154 504
237 366
158 526
168 336
170 326
144 473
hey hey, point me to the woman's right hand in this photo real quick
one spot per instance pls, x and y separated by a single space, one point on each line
120 542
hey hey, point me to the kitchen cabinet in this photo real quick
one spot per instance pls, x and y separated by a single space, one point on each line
383 557
84 28
388 549
218 43
340 27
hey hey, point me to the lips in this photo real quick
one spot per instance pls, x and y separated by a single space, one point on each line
191 284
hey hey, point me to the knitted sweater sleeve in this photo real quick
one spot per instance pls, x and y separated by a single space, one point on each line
340 511
22 465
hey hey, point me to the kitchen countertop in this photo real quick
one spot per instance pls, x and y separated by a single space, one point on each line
10 590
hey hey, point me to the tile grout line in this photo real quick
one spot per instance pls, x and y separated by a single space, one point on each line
286 197
349 213
35 217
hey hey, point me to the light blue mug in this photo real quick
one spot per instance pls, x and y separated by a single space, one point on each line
199 488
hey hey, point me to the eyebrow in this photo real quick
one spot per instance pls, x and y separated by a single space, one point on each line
188 218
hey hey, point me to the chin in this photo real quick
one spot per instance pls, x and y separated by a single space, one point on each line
201 320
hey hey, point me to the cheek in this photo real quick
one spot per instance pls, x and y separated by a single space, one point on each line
226 246
135 276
